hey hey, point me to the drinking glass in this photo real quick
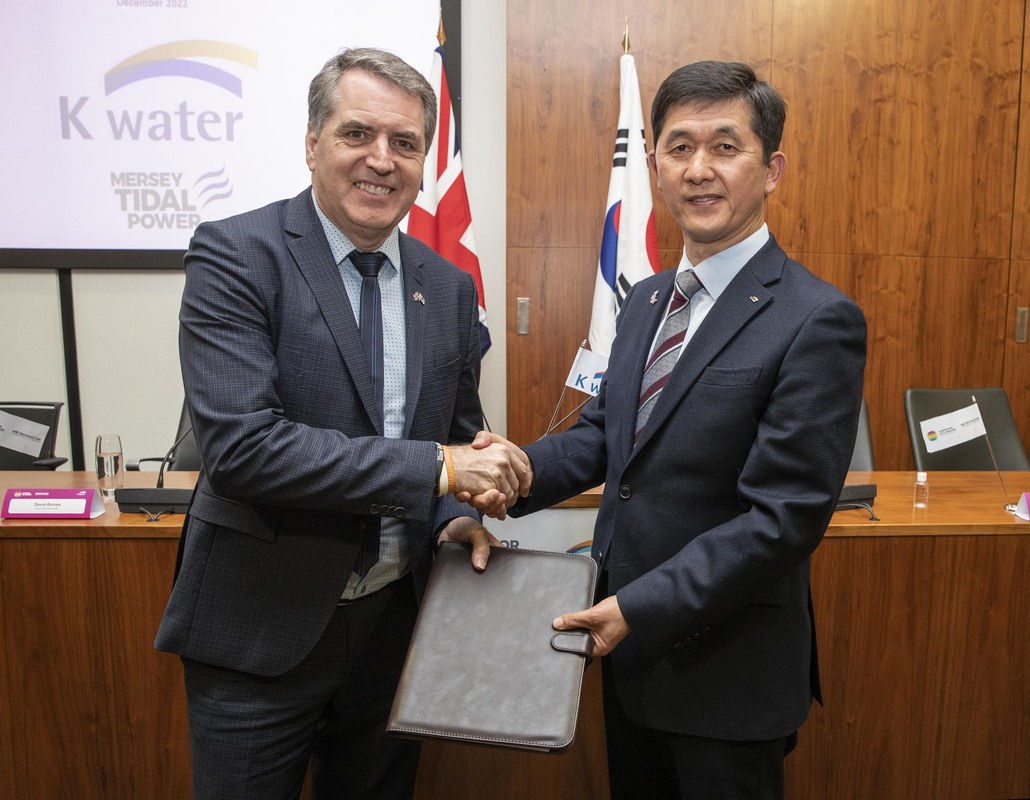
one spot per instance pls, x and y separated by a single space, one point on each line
110 469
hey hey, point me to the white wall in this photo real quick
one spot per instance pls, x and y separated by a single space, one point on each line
484 76
31 349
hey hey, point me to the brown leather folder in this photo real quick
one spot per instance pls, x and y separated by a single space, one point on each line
485 666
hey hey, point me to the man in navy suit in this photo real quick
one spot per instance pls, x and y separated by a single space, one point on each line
322 424
722 462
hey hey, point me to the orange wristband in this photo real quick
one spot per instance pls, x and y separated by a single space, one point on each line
449 466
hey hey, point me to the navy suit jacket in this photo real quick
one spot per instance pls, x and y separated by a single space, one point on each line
706 525
294 465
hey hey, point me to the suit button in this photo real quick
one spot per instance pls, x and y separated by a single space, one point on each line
400 512
374 509
625 492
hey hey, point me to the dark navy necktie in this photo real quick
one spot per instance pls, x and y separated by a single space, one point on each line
371 314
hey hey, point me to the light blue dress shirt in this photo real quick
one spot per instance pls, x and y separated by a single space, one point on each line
393 546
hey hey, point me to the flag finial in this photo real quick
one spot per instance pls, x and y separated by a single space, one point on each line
441 37
625 37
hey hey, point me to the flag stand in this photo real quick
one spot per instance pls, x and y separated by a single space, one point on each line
1010 507
552 424
579 363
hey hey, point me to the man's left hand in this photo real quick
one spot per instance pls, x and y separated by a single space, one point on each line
469 530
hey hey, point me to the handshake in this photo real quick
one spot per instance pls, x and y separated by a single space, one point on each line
490 474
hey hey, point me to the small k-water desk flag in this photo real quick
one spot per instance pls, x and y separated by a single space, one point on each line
629 246
440 217
956 427
587 370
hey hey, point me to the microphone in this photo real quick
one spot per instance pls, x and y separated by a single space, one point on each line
159 500
168 456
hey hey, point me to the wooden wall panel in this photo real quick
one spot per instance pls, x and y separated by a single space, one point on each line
931 322
1021 204
1017 355
552 279
901 126
901 142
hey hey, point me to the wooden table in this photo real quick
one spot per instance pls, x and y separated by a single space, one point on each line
88 708
924 634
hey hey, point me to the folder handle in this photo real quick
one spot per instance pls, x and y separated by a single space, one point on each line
576 642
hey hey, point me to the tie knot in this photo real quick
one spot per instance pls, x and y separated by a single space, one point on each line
368 264
688 284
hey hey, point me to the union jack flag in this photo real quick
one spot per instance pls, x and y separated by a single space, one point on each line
440 217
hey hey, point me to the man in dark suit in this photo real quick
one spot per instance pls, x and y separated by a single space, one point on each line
322 395
722 432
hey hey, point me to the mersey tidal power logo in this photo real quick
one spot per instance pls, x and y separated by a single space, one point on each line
174 59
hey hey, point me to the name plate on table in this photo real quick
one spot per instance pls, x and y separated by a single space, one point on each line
52 504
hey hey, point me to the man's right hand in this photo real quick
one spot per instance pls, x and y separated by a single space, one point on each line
490 474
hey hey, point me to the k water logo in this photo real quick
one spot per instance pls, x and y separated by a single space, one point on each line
180 122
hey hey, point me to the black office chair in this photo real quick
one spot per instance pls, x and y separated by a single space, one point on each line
996 413
48 414
862 458
185 454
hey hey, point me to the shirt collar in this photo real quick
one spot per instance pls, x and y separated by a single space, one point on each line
341 245
716 272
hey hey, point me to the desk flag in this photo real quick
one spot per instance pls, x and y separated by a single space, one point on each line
629 245
587 370
956 427
440 217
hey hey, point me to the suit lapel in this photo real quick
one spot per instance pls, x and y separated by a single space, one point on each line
416 299
314 259
745 297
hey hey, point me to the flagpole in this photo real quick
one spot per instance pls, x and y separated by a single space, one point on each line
564 389
577 408
1010 507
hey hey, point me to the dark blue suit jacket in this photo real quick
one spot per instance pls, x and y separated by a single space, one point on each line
706 526
294 466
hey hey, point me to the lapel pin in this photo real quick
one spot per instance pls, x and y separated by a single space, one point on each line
654 297
753 299
419 298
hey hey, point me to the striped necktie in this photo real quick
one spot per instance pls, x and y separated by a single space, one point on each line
666 352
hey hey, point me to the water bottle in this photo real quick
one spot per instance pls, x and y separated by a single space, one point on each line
921 491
